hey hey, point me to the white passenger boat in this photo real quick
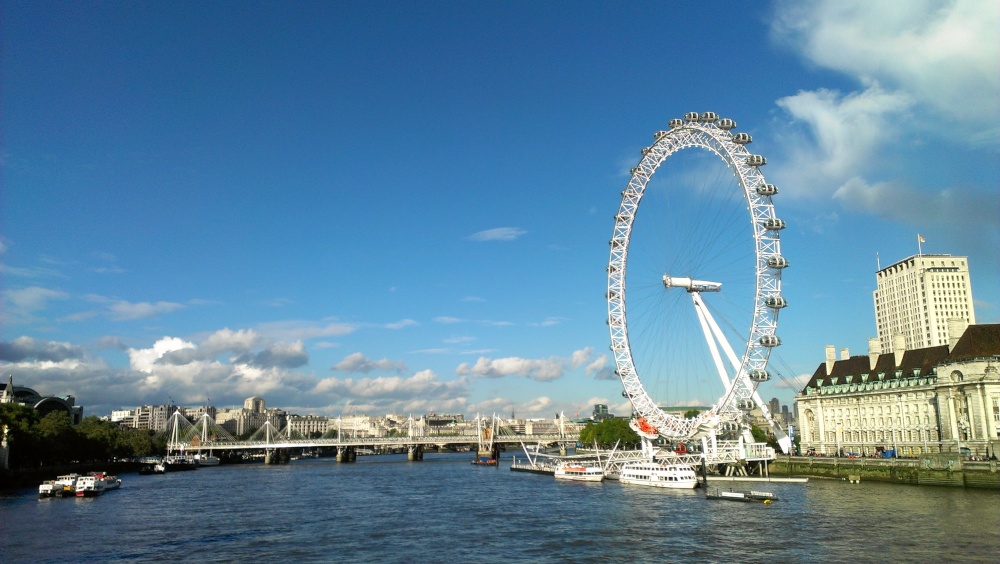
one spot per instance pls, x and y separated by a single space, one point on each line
67 484
579 473
49 488
89 486
656 474
206 460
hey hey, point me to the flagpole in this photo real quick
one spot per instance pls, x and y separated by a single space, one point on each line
919 241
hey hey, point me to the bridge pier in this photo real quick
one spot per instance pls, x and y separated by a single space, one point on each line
276 456
415 453
346 454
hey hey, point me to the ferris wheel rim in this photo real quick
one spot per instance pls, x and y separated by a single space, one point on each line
706 132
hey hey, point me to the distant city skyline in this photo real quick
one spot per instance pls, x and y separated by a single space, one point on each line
389 208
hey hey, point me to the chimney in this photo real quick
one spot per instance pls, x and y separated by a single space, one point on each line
874 350
956 328
845 354
831 358
898 347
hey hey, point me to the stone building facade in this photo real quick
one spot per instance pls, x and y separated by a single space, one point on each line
935 399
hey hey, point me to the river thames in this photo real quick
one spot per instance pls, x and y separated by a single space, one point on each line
442 509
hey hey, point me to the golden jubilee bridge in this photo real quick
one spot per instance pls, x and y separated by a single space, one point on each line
485 434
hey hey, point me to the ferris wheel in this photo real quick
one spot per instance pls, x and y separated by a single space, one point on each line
704 267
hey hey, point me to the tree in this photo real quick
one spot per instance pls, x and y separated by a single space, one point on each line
691 414
608 432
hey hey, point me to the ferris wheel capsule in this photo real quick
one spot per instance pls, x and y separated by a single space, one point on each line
708 117
691 116
659 135
769 341
759 375
742 138
773 224
745 405
775 302
756 160
726 124
766 189
777 262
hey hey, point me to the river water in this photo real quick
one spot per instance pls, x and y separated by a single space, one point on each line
442 509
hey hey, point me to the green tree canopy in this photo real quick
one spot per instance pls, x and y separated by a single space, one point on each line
608 432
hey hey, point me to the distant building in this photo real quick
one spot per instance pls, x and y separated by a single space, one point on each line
601 413
307 426
9 393
250 417
916 297
943 398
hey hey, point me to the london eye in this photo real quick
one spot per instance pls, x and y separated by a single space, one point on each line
694 282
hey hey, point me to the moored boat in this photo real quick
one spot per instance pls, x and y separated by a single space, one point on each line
579 473
483 461
66 485
206 460
89 486
660 475
746 497
180 463
49 488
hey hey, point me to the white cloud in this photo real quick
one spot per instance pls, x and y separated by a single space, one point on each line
541 370
946 56
601 369
294 330
126 311
24 348
498 234
423 384
445 319
358 362
21 305
401 324
846 133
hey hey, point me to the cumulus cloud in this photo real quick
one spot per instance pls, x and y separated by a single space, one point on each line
423 384
946 56
844 133
358 362
26 348
541 370
498 234
601 369
283 355
227 366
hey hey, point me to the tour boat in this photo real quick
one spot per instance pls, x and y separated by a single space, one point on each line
49 488
66 485
483 461
579 473
206 460
89 486
660 475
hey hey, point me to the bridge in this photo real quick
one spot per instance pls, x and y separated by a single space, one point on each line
487 436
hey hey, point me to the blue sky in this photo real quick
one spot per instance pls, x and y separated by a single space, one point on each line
397 207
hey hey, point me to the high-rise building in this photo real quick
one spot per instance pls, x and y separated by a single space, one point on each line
916 297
